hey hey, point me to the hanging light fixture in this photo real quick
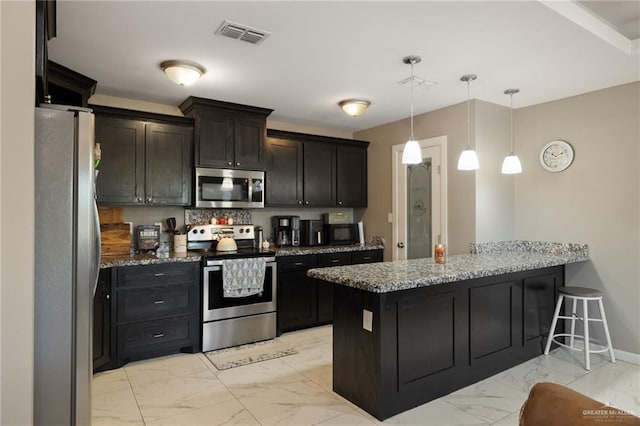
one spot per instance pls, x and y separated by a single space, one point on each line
183 73
468 158
354 107
412 154
511 164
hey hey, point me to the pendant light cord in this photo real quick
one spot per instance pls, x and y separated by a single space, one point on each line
511 123
468 114
412 83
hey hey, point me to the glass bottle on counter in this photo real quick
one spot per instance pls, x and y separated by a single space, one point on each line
440 253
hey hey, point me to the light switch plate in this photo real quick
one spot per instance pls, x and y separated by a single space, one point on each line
390 217
367 320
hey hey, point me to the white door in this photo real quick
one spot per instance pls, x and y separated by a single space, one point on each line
419 201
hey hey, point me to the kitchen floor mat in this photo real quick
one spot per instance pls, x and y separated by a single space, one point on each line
225 359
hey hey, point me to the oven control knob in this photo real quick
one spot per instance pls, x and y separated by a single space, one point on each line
247 230
202 231
195 231
241 230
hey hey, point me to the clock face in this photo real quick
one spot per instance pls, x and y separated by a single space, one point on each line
556 156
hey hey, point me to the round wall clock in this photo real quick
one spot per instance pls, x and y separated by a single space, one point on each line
556 156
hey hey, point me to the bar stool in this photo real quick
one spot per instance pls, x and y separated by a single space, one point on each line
585 295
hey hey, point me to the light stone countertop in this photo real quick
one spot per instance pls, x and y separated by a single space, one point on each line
146 259
296 251
487 259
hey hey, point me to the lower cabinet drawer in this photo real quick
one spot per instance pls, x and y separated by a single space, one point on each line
367 256
156 302
151 337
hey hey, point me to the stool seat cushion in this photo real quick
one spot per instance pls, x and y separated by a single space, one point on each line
550 404
579 291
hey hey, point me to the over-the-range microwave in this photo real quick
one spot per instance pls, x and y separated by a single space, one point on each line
228 188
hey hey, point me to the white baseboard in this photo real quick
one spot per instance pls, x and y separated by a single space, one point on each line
629 357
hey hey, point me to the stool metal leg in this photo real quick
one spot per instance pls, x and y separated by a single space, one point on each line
585 322
552 330
606 331
573 321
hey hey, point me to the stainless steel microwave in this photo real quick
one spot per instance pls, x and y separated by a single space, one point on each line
227 188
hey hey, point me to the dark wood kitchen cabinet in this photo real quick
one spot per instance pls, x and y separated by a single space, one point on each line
304 301
146 158
315 171
227 135
102 353
157 310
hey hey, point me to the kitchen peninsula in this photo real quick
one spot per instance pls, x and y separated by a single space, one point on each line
407 332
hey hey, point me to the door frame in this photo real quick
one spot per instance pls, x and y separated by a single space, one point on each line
396 150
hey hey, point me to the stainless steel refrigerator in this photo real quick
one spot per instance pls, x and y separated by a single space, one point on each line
67 257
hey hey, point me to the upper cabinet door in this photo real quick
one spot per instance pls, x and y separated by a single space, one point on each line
284 172
121 170
168 164
249 138
214 139
319 174
351 175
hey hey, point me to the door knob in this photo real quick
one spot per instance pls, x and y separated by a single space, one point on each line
400 245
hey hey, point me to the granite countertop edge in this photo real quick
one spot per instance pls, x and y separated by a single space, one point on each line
298 251
384 277
110 261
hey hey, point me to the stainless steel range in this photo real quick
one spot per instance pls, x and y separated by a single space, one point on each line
232 321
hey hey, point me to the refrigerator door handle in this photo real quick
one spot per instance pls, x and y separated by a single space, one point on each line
98 243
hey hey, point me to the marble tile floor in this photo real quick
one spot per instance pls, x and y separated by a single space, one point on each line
186 389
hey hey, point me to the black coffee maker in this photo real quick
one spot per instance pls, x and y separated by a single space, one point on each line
286 230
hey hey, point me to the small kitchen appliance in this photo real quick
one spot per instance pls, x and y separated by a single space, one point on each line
232 321
229 188
341 233
311 233
286 230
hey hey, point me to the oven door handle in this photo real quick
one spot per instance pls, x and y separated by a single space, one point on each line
218 263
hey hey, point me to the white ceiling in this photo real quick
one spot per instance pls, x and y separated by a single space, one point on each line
322 52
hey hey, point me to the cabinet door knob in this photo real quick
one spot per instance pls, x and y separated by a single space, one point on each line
148 199
299 202
108 296
139 199
339 203
229 163
306 202
237 164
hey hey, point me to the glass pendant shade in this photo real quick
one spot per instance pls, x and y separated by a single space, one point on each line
511 165
468 160
183 73
412 153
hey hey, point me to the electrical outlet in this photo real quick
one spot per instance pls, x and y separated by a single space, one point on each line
160 225
390 217
367 320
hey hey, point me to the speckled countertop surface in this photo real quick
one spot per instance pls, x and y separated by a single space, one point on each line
295 251
146 259
487 259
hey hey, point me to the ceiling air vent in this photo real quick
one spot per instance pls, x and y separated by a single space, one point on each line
242 32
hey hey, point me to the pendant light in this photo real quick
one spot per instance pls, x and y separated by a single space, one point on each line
511 164
412 153
468 158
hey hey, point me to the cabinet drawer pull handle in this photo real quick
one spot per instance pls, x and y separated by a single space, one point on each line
298 264
159 335
367 257
335 260
158 302
159 274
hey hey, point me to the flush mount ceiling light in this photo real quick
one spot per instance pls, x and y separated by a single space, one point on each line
511 164
354 107
468 158
183 73
412 154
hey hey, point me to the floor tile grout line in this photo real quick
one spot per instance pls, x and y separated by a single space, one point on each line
134 397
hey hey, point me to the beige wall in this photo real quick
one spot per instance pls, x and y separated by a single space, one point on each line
595 201
17 38
450 121
495 192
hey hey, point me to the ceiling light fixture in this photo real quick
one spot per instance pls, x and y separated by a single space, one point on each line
411 154
183 73
354 107
511 164
468 158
